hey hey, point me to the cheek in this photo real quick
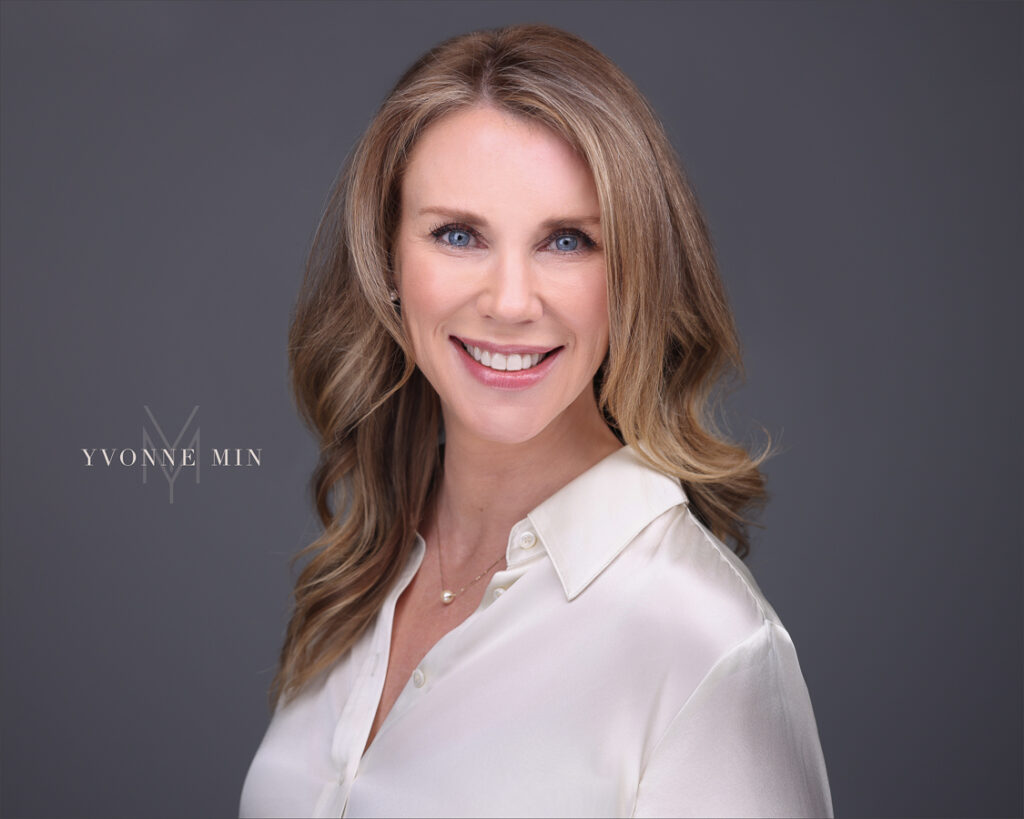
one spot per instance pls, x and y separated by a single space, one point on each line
427 295
591 311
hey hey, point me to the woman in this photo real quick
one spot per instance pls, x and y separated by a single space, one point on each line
521 604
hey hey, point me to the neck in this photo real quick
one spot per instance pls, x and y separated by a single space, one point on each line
489 486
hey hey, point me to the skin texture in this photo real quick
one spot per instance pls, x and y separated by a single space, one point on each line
510 267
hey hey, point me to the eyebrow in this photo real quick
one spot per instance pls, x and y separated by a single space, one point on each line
458 215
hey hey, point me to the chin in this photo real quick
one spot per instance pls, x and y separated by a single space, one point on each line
504 428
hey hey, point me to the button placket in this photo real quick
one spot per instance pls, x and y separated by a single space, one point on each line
371 684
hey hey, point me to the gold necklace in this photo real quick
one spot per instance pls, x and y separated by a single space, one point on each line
448 596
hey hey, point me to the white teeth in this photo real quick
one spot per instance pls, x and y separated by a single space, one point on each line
505 363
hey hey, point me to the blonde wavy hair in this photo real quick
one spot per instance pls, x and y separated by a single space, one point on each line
671 334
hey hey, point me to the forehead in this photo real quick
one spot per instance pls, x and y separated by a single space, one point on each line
485 160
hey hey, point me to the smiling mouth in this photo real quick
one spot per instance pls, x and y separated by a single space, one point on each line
505 362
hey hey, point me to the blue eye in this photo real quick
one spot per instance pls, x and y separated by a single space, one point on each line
453 235
571 241
457 238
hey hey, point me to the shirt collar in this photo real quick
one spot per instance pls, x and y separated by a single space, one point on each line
590 520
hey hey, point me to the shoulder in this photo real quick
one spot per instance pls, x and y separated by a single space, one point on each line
697 591
622 537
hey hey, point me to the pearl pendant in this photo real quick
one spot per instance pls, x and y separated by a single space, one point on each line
447 597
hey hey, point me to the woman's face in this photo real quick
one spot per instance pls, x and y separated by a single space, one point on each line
500 267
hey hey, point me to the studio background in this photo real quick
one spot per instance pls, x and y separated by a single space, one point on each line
164 166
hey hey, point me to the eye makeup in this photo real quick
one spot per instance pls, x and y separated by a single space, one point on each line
587 243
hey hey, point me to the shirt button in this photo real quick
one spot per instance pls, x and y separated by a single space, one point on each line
527 540
418 678
498 592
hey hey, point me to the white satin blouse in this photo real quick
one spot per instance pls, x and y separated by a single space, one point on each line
625 663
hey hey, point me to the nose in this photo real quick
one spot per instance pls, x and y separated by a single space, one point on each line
510 291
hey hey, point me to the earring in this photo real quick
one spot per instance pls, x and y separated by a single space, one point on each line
393 295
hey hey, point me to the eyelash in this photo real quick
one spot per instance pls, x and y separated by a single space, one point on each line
586 241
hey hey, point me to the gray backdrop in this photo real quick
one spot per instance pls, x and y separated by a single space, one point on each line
163 169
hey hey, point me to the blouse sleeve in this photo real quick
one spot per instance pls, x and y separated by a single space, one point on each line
744 744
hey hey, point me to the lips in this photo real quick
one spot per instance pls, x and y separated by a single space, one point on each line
515 380
505 357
